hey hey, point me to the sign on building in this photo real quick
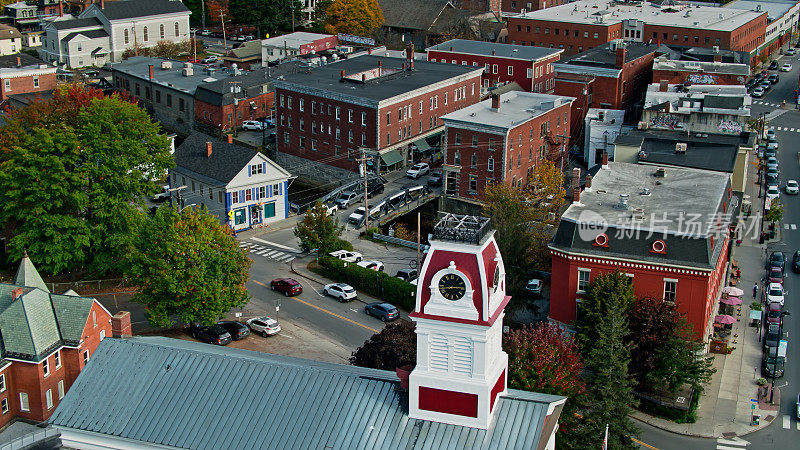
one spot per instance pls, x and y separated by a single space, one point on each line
357 39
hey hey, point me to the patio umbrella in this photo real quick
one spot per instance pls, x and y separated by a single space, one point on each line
733 301
730 290
724 318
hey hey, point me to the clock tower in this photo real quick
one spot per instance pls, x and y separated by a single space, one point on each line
461 367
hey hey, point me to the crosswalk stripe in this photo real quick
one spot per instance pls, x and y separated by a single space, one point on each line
787 421
278 255
786 226
293 258
792 130
727 447
741 443
261 252
243 245
285 258
272 253
794 226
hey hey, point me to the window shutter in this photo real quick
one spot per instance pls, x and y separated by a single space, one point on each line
228 195
242 197
249 170
269 191
438 353
462 356
280 189
265 167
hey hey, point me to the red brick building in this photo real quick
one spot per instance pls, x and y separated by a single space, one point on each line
16 78
530 67
230 101
511 7
47 339
502 140
379 104
674 71
581 25
614 75
670 248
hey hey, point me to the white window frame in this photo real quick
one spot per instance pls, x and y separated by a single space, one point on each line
46 367
674 281
4 405
511 70
530 72
48 399
588 273
85 357
103 332
24 402
2 382
61 390
57 356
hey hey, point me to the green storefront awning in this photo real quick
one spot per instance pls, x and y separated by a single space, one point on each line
422 145
391 157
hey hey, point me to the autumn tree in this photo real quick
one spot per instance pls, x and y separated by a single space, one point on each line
356 17
392 347
602 330
318 230
167 49
665 354
546 192
73 174
187 266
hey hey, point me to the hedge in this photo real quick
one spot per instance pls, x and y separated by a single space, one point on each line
376 284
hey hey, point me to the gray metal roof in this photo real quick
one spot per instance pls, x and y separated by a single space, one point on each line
10 61
185 394
173 78
525 52
128 9
91 34
76 23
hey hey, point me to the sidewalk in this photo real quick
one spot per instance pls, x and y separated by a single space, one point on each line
724 409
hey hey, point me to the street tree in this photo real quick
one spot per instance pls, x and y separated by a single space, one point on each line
393 347
187 266
602 331
664 353
267 15
73 174
775 211
356 17
546 192
318 230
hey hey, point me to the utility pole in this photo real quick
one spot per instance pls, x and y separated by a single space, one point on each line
203 13
224 39
291 5
235 89
363 161
194 43
418 241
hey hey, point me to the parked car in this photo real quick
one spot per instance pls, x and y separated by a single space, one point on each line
163 194
356 216
289 286
346 199
774 78
758 92
252 125
786 67
775 276
772 163
213 334
773 192
772 336
775 293
796 262
772 364
774 310
383 311
265 326
773 65
346 255
209 59
770 133
407 274
340 291
777 259
791 51
792 188
770 152
374 188
534 286
436 179
373 264
330 208
267 121
797 413
237 330
418 170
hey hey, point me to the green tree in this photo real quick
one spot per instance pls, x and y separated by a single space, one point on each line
394 346
268 15
356 17
318 230
91 159
775 211
601 332
187 266
320 15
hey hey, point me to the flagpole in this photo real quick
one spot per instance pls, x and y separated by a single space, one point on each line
605 439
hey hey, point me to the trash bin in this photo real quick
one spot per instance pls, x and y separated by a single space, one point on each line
756 418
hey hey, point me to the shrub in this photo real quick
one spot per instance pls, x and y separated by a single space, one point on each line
342 244
376 284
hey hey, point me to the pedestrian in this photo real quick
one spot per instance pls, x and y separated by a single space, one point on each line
755 290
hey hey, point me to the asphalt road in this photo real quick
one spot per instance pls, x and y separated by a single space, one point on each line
784 432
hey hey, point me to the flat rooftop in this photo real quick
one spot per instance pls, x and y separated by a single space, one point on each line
710 98
515 108
773 8
702 67
137 66
605 56
525 52
326 79
595 12
706 154
293 40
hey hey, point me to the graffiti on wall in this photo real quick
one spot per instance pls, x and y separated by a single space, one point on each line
698 78
729 126
665 121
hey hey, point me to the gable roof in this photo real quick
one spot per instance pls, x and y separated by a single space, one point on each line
9 32
225 162
91 34
76 23
129 9
10 61
159 391
412 14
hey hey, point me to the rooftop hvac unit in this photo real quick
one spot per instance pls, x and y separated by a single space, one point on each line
166 65
187 71
661 172
680 147
643 125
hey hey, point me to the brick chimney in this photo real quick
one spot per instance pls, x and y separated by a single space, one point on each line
605 159
588 182
19 61
150 71
60 8
575 187
121 324
208 149
230 139
341 74
102 4
496 102
717 57
620 61
663 86
410 53
16 293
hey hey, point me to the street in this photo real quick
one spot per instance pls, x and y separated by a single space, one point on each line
784 432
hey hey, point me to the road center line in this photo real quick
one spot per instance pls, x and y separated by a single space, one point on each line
644 444
324 310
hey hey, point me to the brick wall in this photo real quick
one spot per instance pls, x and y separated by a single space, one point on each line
496 69
680 76
572 37
230 115
25 85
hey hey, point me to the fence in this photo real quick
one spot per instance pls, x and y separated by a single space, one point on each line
398 241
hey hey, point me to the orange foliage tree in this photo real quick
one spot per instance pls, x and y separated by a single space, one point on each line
356 17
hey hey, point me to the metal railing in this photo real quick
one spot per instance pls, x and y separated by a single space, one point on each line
30 439
398 241
92 286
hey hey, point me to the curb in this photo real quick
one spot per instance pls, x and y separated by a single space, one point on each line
309 277
696 435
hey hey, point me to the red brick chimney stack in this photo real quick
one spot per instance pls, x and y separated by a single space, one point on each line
16 293
19 61
121 325
60 8
150 71
663 86
496 102
588 182
576 188
620 57
208 149
102 4
342 73
230 139
605 159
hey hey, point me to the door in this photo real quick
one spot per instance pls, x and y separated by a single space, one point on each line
255 214
269 210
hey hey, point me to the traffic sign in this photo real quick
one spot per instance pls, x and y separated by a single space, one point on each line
753 406
754 400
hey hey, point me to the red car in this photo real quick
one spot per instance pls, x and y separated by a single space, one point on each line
289 286
775 275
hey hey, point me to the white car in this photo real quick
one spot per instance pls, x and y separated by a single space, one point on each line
792 188
340 291
163 195
773 192
418 170
534 286
770 133
775 294
209 59
757 92
330 209
265 326
357 216
347 256
253 125
373 265
791 51
786 67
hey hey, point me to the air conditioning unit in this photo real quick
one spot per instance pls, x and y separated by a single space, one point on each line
643 125
166 65
187 71
680 147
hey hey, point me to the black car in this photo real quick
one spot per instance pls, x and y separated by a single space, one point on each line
774 78
435 180
237 330
407 274
374 188
773 65
777 260
796 262
772 364
772 336
214 334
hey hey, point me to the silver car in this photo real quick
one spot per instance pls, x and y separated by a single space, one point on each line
340 291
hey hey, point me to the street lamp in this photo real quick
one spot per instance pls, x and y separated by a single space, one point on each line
187 206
